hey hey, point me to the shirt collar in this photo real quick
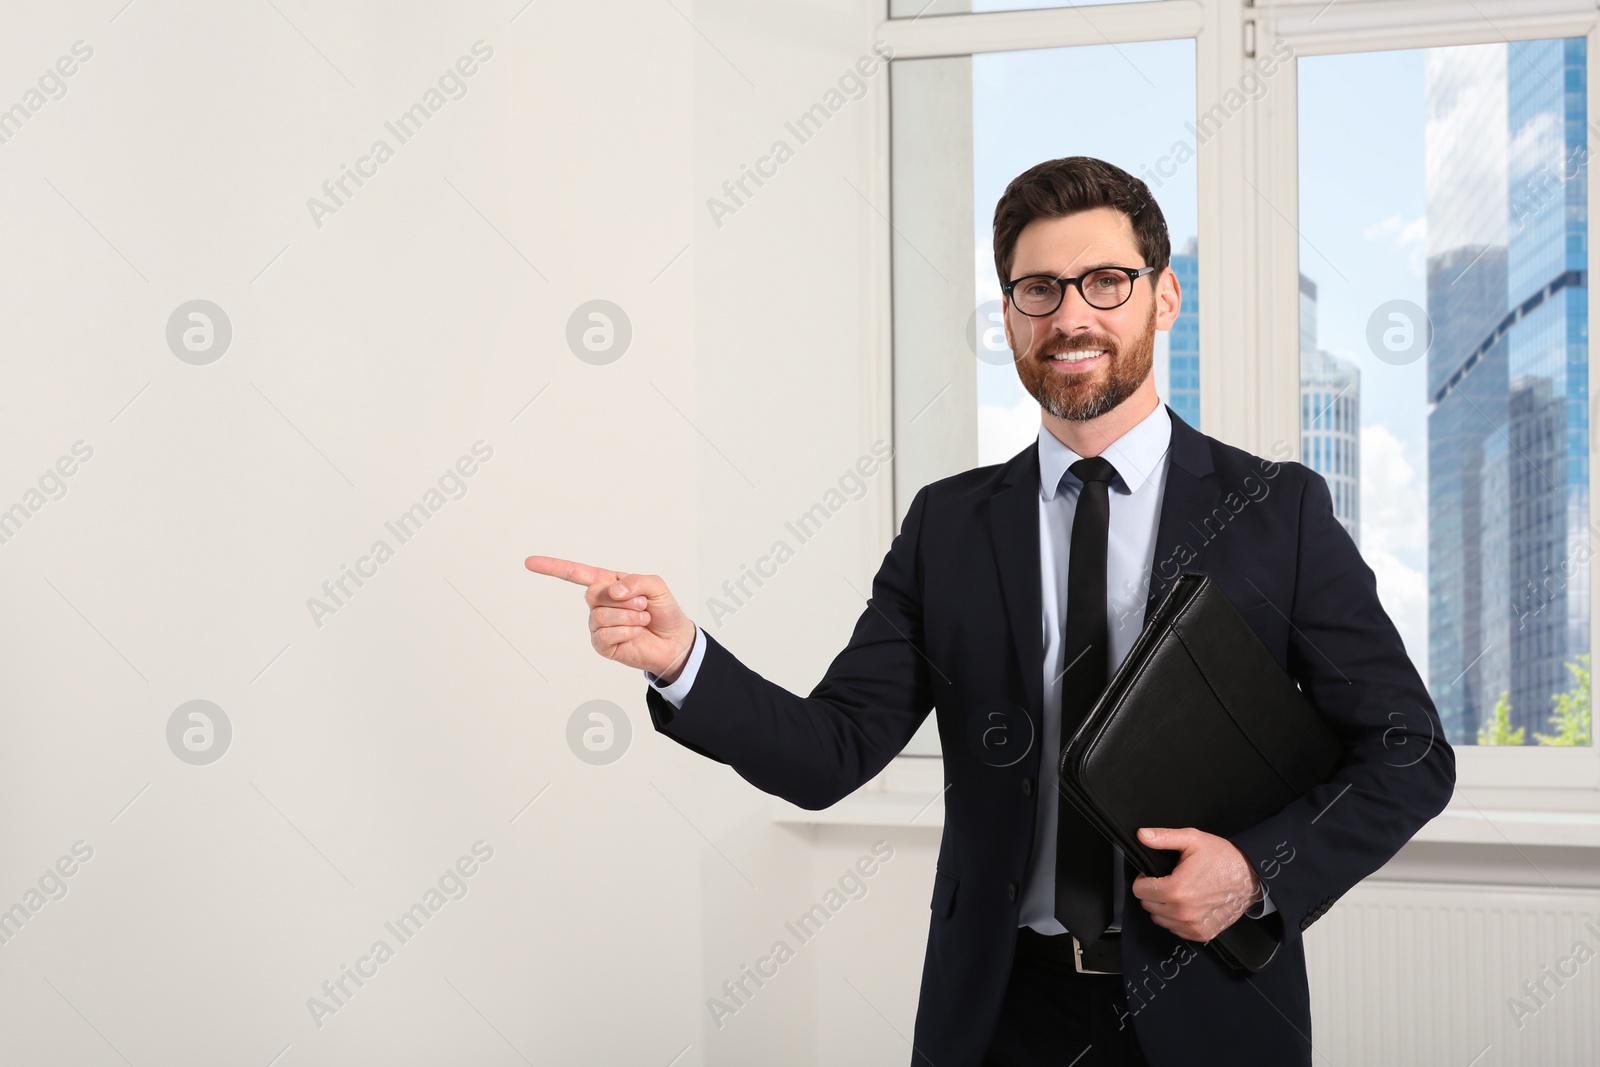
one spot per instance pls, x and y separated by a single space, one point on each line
1134 454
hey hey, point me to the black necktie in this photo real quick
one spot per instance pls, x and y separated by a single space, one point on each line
1083 855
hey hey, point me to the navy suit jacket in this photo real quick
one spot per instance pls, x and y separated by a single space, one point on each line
955 623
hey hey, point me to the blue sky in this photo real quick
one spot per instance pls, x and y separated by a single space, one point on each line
1363 205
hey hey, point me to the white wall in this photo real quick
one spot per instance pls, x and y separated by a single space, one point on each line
368 354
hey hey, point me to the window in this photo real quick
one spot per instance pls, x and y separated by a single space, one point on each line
1444 325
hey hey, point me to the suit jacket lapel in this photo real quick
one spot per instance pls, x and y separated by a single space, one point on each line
1014 526
1191 494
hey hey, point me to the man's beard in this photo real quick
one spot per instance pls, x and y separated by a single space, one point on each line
1078 397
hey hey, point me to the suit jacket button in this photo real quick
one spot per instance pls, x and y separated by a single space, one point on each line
1011 891
1027 787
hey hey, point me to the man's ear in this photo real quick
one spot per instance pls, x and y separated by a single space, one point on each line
1169 299
1005 320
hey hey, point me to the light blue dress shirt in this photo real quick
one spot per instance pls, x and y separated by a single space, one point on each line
1140 457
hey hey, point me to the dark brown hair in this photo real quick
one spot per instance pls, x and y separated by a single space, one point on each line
1060 187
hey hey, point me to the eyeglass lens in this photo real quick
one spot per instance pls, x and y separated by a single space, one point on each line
1041 295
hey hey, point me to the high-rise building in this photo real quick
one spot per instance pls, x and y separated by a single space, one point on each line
1547 286
1330 416
1183 340
1308 315
1469 629
1507 380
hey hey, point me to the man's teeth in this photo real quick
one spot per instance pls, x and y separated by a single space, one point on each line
1079 356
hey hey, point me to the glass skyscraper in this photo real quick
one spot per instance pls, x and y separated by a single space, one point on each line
1507 380
1546 275
1183 340
1330 416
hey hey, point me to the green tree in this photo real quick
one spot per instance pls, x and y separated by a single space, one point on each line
1570 719
1498 730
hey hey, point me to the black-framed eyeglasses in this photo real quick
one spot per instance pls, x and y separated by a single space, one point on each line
1038 295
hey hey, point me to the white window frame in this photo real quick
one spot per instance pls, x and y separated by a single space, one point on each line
1248 193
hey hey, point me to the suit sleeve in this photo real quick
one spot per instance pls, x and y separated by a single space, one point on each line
1398 771
813 751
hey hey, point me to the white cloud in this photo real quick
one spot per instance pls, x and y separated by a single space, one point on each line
1385 230
1394 515
1394 526
1403 591
1537 146
1407 235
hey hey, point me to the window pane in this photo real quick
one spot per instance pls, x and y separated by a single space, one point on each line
1022 115
1444 363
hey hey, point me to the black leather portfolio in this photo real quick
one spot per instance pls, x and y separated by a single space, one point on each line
1198 727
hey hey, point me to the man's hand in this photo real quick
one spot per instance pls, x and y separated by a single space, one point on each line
633 619
1211 886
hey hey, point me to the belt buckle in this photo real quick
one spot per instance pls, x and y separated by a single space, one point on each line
1077 954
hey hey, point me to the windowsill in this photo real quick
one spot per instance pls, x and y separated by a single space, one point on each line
908 793
1467 824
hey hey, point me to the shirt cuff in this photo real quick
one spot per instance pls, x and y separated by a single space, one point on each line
678 690
1262 907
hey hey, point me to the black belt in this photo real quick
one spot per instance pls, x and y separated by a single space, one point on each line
1102 957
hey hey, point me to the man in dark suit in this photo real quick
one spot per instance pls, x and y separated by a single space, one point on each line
1007 598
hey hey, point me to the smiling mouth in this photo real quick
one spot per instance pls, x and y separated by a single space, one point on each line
1076 358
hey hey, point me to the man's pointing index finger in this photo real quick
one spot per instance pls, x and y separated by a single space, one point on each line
569 571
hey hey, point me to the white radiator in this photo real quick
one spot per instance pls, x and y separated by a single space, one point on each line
1422 975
